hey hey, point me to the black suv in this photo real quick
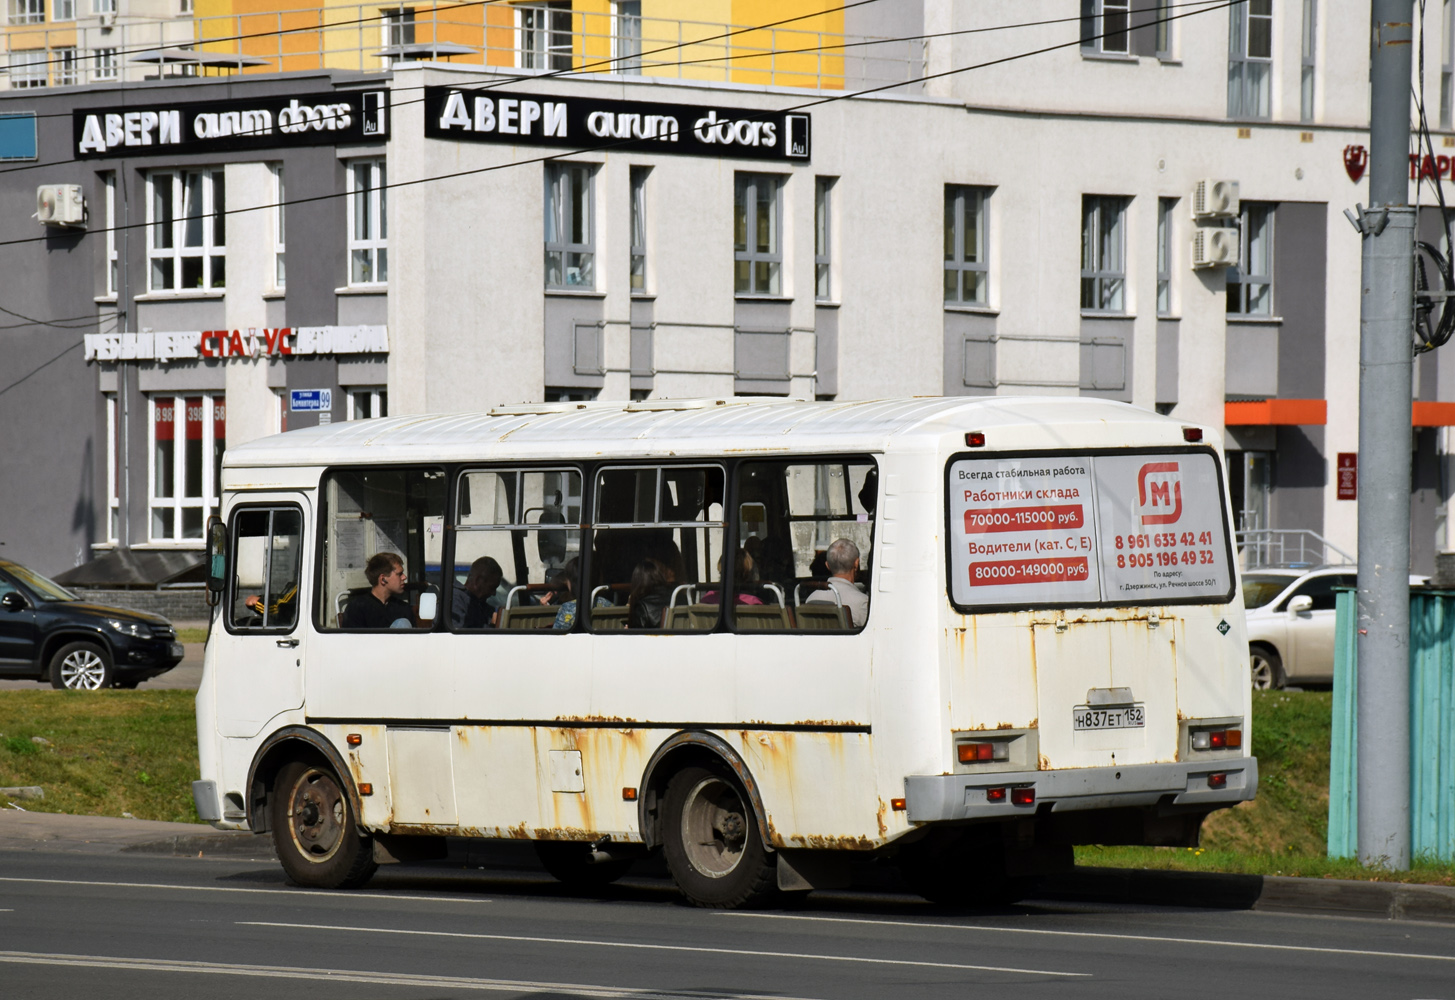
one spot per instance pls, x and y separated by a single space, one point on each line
47 631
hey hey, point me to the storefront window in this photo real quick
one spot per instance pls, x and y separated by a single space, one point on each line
188 435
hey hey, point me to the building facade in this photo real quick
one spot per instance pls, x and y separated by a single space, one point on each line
1142 204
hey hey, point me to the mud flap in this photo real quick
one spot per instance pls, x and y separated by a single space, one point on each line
800 871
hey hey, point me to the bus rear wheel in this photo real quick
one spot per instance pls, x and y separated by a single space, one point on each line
315 831
711 838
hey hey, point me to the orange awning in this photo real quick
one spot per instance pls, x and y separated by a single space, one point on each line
1265 412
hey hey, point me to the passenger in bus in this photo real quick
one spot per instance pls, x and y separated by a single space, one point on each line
563 594
842 559
470 606
381 606
744 575
651 591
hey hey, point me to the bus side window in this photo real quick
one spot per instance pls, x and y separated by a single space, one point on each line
266 565
367 512
517 550
807 534
658 549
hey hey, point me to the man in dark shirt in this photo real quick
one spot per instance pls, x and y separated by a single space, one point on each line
380 606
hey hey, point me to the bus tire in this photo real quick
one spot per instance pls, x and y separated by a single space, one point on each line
315 831
1266 667
570 862
711 838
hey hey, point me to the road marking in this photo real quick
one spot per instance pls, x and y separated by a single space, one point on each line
660 947
322 893
1102 934
354 976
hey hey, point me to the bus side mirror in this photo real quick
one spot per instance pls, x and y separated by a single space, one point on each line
216 558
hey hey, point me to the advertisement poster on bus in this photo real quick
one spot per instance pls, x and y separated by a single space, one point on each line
1118 529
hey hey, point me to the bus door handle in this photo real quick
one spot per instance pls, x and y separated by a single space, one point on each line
288 643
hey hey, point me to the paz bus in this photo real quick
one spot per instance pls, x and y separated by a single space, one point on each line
768 638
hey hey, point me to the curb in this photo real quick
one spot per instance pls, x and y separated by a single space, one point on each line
215 845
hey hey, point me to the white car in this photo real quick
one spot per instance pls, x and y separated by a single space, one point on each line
1291 623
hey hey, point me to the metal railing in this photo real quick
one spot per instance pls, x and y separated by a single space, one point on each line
1288 547
372 38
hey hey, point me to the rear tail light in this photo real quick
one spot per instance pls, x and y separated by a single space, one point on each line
1217 739
995 795
1022 796
1217 781
974 753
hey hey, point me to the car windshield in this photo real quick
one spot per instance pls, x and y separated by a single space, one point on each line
46 590
1259 590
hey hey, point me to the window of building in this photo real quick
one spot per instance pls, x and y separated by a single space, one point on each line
1103 253
823 212
570 234
26 12
63 10
1447 65
368 223
1306 72
64 60
280 232
184 6
113 278
397 25
187 435
187 230
517 563
627 38
28 69
368 402
1250 284
558 394
103 64
1250 58
1165 207
1105 26
757 225
639 228
393 518
113 468
657 552
1164 29
966 270
282 410
103 6
543 35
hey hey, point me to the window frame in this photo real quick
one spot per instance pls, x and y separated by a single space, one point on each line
103 6
63 10
1094 31
230 598
1247 278
31 71
378 396
1308 52
626 37
374 244
104 64
1243 90
1447 64
209 251
747 184
823 238
1094 254
67 65
639 176
563 222
1166 254
25 12
957 202
551 55
113 467
209 502
113 260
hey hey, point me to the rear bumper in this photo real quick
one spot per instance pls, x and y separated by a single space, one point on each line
937 797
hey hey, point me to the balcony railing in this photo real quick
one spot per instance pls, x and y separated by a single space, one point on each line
540 39
1288 548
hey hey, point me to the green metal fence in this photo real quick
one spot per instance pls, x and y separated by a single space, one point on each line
1432 728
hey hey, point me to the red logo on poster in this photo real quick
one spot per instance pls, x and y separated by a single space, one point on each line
1159 487
1356 158
1348 475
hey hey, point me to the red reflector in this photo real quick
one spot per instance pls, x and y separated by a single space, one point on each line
1218 738
365 788
1192 433
628 794
995 794
353 739
1235 737
897 805
975 439
1023 796
1217 781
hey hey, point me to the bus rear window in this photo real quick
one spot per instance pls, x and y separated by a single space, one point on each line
1108 528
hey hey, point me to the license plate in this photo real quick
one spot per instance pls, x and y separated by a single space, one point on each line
1084 717
176 649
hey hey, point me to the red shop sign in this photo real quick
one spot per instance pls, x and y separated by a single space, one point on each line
1348 475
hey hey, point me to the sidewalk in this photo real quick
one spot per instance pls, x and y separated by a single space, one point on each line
33 831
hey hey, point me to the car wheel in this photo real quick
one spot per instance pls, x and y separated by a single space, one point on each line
315 832
711 838
1267 669
570 862
81 666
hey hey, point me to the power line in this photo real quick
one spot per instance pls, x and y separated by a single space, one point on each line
606 147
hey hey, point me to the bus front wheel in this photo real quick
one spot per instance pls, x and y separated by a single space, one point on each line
315 831
713 846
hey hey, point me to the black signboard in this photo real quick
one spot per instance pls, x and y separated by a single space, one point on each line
589 123
342 116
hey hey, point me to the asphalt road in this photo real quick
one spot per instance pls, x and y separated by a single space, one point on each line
185 675
120 926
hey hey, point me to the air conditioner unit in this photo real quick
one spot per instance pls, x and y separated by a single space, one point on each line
60 205
1215 200
108 21
1215 248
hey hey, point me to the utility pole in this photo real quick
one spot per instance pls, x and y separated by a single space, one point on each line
1386 358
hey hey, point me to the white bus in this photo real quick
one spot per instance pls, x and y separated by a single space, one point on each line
766 637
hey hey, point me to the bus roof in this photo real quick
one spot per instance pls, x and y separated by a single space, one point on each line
699 427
